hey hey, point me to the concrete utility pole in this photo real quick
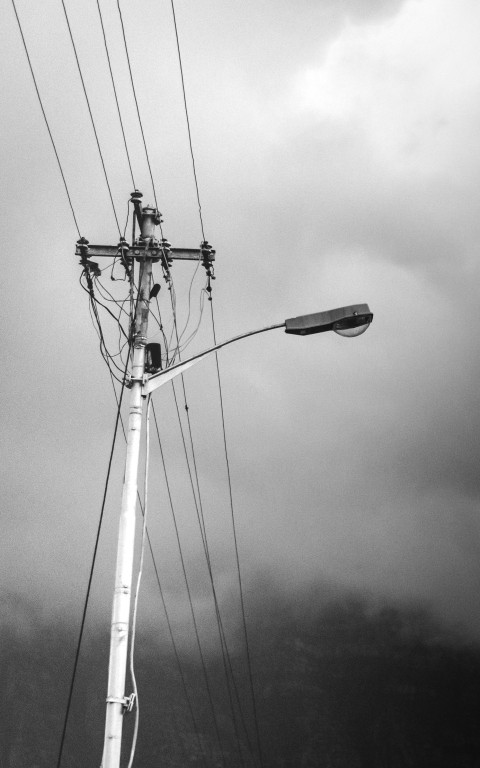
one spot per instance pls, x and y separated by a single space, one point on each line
145 250
117 703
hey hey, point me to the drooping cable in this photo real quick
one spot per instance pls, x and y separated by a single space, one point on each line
136 103
226 657
229 680
137 589
91 117
90 578
187 117
45 118
177 657
189 596
109 358
116 99
237 557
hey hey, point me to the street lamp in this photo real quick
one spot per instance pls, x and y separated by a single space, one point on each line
346 321
144 378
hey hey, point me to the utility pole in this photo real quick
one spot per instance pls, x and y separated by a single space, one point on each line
117 703
145 250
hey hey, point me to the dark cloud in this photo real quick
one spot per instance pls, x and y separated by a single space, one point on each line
352 460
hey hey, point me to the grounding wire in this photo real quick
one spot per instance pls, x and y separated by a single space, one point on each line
136 104
45 118
116 100
137 589
237 557
91 116
167 617
90 578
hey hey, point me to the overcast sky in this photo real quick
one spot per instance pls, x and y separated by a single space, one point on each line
338 162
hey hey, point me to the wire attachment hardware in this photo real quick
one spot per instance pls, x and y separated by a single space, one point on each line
166 258
123 252
208 254
90 267
127 702
82 248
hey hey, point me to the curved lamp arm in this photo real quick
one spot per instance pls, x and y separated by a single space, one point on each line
162 377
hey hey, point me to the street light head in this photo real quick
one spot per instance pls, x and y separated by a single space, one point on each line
346 321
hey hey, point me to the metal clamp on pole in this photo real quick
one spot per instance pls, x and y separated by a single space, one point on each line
127 702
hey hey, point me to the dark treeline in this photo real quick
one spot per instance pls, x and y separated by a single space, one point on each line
339 684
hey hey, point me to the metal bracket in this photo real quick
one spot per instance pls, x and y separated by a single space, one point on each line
127 702
130 380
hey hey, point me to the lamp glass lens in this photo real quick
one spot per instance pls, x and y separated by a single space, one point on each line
350 332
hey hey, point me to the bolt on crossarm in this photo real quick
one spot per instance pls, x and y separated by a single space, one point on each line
117 703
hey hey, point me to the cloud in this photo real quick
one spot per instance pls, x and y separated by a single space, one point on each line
336 153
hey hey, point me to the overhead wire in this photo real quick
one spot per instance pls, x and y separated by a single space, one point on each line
199 510
248 655
177 657
136 104
45 119
187 116
151 176
116 100
187 586
237 557
229 680
91 116
226 657
93 308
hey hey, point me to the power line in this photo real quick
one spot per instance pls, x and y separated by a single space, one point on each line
116 97
136 103
203 532
45 118
237 558
91 117
194 620
177 656
187 118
